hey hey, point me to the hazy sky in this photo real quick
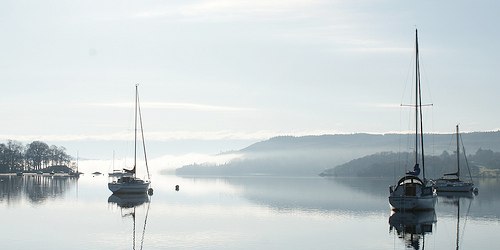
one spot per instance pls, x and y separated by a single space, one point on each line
243 70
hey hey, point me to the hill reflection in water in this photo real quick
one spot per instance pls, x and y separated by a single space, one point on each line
308 194
352 195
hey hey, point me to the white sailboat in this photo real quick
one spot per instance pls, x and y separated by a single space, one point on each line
451 182
411 192
130 183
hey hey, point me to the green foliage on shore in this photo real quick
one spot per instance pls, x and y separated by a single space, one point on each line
484 163
35 156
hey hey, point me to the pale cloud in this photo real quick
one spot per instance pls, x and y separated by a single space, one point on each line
383 50
175 106
157 164
171 162
169 135
225 10
247 6
380 105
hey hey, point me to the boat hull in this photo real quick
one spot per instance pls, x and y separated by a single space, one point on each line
128 188
399 203
454 187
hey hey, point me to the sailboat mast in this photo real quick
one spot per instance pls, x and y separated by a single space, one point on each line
135 130
416 98
458 154
419 106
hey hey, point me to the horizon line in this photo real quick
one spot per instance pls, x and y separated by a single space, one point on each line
205 135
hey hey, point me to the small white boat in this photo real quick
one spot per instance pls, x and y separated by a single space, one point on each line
119 173
451 182
411 192
126 181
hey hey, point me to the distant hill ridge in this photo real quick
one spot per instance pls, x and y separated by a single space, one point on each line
311 155
474 140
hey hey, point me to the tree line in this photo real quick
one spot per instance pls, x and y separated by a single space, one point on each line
35 156
484 163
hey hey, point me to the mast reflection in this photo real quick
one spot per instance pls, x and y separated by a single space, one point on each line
455 200
128 203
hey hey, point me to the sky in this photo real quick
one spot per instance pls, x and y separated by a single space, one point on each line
219 75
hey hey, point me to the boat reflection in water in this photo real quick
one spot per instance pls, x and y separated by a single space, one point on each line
128 200
128 203
412 226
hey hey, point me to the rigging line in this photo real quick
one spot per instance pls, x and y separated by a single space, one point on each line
433 135
399 146
410 66
135 127
465 155
143 142
427 87
443 167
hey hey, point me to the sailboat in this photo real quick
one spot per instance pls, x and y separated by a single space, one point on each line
130 183
118 172
76 173
451 182
411 192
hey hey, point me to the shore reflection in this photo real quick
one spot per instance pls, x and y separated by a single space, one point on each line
34 188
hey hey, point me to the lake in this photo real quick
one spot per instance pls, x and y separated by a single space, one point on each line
51 212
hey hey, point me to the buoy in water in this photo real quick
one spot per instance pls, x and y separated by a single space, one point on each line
176 187
150 191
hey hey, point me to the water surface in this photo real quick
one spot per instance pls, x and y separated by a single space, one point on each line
50 212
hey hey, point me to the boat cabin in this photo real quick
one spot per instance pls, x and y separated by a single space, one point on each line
411 186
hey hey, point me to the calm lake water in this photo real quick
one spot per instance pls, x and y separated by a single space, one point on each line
44 212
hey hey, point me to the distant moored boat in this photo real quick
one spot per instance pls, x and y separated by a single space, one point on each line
451 182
